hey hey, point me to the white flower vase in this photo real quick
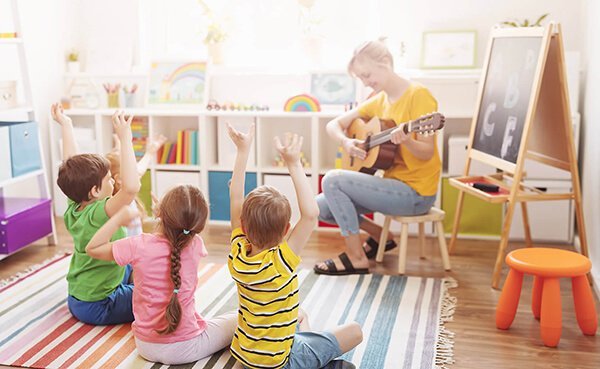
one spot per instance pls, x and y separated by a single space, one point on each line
215 52
73 67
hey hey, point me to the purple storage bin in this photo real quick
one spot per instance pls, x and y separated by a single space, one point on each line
23 221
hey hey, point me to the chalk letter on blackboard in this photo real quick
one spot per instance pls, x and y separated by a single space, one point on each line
512 92
529 59
511 125
488 127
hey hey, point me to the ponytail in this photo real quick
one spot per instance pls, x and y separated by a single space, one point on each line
173 311
184 206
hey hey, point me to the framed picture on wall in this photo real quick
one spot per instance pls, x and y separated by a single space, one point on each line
448 49
177 83
333 88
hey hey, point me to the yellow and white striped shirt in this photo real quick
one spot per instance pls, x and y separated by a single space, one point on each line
267 287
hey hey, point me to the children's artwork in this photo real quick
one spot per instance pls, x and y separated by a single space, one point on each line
175 83
333 88
303 102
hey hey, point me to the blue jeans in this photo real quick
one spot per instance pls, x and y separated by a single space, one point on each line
347 194
115 309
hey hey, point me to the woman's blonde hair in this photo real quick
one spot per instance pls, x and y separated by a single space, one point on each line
375 51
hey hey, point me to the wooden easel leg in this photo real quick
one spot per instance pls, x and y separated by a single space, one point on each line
457 214
503 245
526 224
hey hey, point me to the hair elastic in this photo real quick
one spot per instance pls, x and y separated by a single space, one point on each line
186 231
176 291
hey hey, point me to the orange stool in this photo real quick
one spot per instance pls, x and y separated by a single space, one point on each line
547 266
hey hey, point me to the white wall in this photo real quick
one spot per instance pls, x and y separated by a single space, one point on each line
44 27
590 150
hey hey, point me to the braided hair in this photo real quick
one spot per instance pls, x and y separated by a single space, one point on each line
183 212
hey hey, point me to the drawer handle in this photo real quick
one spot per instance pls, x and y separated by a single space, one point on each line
4 222
26 134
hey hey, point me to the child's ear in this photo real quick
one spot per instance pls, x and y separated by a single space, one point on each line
94 192
242 226
287 228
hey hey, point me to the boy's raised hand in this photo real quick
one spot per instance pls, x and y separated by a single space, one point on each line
242 141
155 143
122 125
58 114
291 148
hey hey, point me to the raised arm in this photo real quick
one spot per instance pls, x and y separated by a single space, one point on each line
152 148
309 210
100 246
242 142
69 147
130 181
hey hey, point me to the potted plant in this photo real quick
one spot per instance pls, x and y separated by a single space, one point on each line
73 65
525 22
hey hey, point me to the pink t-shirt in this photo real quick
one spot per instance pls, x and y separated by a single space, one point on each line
149 255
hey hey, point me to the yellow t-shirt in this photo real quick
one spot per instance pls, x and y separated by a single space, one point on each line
422 175
267 287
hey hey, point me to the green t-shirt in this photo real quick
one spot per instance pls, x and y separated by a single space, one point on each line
90 279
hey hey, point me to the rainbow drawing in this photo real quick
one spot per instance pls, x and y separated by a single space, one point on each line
177 83
302 102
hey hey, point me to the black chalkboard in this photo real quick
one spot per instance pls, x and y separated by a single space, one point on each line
506 96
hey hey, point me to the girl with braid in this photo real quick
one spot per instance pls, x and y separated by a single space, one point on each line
167 328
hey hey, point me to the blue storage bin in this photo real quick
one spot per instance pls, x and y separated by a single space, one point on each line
24 147
218 193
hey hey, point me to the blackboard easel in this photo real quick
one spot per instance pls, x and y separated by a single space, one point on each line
522 112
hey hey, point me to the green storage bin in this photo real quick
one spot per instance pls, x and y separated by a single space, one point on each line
478 218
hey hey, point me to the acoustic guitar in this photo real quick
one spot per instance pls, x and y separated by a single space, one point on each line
376 135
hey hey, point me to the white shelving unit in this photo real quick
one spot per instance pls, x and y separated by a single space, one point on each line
24 113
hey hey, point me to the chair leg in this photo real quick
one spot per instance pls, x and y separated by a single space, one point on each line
403 247
442 244
382 240
536 296
422 240
584 305
551 315
509 299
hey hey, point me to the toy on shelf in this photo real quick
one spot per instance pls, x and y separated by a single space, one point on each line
302 102
280 163
230 106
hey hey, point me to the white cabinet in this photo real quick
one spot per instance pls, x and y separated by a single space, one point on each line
165 180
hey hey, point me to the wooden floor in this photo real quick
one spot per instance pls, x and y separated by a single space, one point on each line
478 344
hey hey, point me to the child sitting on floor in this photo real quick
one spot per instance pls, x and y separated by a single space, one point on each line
272 331
167 328
114 157
99 291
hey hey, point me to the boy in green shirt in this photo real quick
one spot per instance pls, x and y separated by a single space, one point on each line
99 291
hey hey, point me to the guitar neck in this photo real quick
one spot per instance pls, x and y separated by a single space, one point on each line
384 136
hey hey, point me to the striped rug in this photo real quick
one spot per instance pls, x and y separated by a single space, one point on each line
402 320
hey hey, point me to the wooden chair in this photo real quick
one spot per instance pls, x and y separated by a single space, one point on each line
435 215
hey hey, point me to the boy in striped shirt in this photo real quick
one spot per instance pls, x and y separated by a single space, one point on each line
272 331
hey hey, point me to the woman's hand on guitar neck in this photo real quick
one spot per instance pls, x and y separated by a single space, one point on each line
354 148
398 136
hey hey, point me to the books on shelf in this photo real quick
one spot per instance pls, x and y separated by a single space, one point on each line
183 151
139 129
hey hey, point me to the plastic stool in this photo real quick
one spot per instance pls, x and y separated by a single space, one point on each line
547 266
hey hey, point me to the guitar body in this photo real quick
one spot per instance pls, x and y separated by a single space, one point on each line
378 157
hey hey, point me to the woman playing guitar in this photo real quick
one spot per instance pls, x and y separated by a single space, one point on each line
408 187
